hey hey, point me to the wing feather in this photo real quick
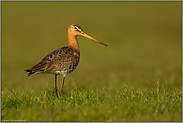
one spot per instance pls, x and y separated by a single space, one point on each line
58 59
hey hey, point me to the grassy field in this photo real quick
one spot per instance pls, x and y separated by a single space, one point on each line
137 77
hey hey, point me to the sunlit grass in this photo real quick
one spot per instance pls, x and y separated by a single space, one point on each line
94 105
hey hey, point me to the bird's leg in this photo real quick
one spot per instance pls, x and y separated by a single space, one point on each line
62 85
56 85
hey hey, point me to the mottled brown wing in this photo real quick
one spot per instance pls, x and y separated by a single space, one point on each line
62 58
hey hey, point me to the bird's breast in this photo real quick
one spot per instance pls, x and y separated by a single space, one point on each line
63 61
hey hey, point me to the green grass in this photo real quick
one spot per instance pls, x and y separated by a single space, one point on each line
137 77
81 104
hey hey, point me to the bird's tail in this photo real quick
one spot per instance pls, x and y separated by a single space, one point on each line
30 72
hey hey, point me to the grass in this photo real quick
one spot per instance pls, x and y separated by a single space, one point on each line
137 77
94 105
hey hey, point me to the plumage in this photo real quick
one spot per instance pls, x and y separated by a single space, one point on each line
63 60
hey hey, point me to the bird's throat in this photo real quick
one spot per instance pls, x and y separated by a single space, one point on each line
73 42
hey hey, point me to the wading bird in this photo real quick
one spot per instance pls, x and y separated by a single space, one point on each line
63 60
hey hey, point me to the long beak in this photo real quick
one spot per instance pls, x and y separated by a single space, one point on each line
87 36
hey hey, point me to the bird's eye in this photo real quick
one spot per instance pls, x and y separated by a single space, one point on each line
75 27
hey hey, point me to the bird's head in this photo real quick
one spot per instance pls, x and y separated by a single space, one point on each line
76 30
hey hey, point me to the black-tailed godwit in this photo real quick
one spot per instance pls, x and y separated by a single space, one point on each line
63 60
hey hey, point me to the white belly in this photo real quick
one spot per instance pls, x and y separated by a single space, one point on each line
59 72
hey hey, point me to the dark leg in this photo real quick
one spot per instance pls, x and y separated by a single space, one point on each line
56 85
62 84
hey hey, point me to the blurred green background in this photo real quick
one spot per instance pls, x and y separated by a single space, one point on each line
143 38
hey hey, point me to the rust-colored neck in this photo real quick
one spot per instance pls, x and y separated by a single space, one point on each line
73 42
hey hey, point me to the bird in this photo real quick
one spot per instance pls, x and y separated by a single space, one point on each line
64 60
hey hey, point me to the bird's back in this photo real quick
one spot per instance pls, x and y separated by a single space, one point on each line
60 61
